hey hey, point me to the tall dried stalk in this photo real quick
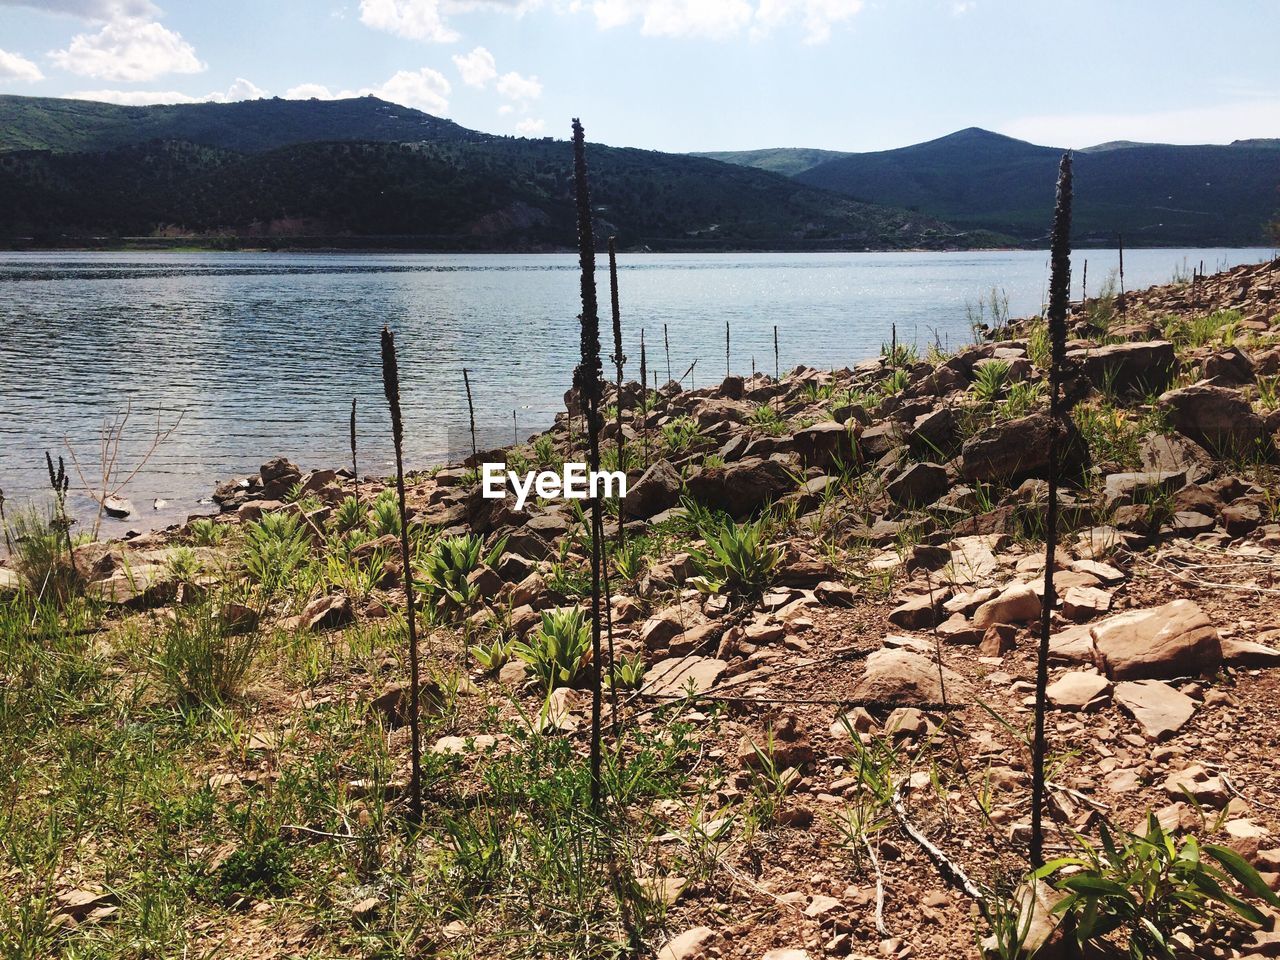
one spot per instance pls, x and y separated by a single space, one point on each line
644 400
1059 295
777 373
726 349
4 525
471 411
1120 243
391 386
587 377
618 357
59 483
667 346
1084 287
355 469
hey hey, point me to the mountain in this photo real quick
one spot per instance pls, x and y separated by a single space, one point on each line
66 126
1153 194
785 160
355 184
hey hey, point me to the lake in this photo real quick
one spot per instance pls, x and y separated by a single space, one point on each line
261 354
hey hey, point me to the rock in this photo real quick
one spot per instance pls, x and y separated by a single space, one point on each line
693 944
457 746
278 476
657 489
998 640
1077 689
1242 517
908 678
918 485
1202 786
1084 603
1010 451
1173 640
1072 645
327 613
139 587
1125 488
935 434
675 675
786 953
1229 368
1141 367
1018 603
827 443
1161 454
1218 419
1246 653
741 488
116 507
920 612
1160 710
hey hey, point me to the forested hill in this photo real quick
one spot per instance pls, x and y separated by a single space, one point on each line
450 192
66 126
1154 194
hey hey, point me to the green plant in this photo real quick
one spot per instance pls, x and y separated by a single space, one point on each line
347 515
493 656
627 673
384 515
198 658
766 419
205 532
40 556
680 434
276 547
1151 887
560 649
895 383
899 354
447 567
737 558
630 560
1023 397
1269 392
544 451
183 565
255 870
990 381
1221 326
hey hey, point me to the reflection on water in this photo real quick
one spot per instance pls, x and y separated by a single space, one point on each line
263 353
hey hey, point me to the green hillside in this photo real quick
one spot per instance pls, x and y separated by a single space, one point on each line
50 123
497 193
787 161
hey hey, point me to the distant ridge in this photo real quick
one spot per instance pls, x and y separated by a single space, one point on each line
1155 194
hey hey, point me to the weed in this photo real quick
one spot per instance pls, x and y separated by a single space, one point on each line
275 549
737 558
199 659
560 649
206 532
990 381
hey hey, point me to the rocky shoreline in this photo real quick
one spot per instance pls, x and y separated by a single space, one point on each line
903 500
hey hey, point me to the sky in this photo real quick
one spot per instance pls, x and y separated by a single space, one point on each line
685 75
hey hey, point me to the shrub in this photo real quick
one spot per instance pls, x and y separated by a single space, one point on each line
199 659
207 533
348 515
560 649
990 381
451 561
385 515
275 548
1151 887
737 558
40 556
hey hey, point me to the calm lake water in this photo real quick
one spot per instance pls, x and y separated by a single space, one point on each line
262 354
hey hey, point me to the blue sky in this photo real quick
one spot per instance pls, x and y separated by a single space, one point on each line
689 74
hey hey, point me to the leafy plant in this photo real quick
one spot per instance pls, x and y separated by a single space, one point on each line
1151 887
737 558
384 515
275 548
680 434
766 419
183 565
560 649
494 655
205 532
627 673
990 381
447 567
347 515
630 560
199 659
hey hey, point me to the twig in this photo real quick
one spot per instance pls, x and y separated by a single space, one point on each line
950 870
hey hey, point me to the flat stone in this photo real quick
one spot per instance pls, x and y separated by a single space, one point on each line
1084 603
1172 640
1076 690
1246 653
1160 710
693 944
1017 603
673 676
907 678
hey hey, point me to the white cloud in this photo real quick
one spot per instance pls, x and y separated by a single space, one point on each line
241 89
530 127
128 51
1219 124
721 19
505 109
414 19
13 66
477 67
960 7
425 89
90 9
520 89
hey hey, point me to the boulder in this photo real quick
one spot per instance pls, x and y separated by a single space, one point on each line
657 489
827 443
1218 419
1010 451
1229 368
1173 640
906 678
920 612
1125 488
741 488
1142 367
1017 603
1166 454
1160 710
936 434
919 485
675 675
278 475
1076 689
